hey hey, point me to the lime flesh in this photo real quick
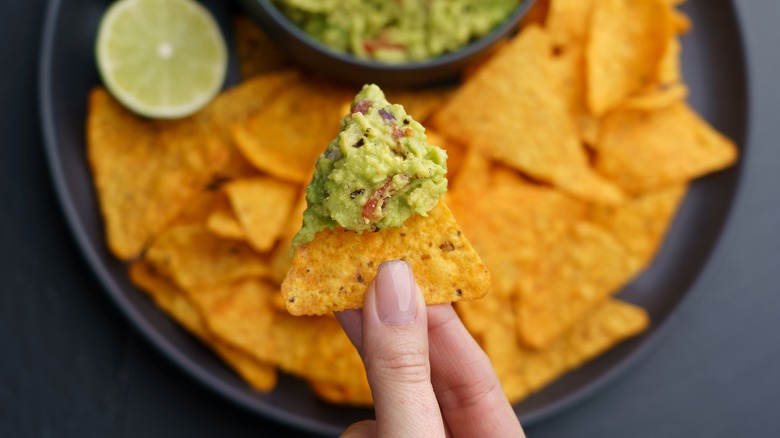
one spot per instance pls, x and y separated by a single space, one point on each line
161 58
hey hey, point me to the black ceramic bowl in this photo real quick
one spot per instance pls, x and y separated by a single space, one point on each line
316 56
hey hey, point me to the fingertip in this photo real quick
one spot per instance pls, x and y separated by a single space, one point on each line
396 293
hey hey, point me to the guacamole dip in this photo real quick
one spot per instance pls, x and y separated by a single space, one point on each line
376 173
396 30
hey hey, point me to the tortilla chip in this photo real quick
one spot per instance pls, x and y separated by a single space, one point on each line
475 173
281 257
657 99
578 272
200 207
168 297
281 261
607 325
568 74
681 23
277 302
145 172
242 315
512 227
642 150
192 256
262 205
239 314
256 53
211 208
223 223
589 129
456 152
641 223
506 176
484 59
419 104
627 40
316 348
510 110
569 79
536 15
358 396
259 375
523 371
669 70
567 21
332 272
235 106
492 324
285 138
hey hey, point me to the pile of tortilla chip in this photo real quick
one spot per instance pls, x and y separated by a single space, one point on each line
570 149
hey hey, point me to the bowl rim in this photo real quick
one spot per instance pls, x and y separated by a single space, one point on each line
470 49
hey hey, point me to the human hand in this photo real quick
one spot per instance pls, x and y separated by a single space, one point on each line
428 376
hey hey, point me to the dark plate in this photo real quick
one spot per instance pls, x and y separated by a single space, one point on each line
714 66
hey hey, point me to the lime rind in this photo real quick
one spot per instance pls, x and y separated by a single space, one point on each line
136 46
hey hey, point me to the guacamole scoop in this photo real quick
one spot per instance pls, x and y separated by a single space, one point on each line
376 173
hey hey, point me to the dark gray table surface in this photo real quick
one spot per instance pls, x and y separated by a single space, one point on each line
72 366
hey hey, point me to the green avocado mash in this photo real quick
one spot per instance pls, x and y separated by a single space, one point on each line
376 173
396 30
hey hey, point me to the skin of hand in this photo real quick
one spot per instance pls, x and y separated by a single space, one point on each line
428 376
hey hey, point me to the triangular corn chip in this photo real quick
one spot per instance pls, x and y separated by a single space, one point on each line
512 111
641 223
287 135
350 395
512 227
642 150
262 205
581 270
242 315
626 43
522 370
261 375
192 256
332 272
567 21
223 223
145 172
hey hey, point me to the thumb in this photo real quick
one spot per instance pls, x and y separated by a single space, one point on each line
395 353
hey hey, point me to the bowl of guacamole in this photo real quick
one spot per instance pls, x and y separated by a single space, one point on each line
389 42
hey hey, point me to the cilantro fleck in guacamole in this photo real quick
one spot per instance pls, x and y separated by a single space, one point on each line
395 31
376 173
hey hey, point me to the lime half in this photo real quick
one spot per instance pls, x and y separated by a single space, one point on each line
161 58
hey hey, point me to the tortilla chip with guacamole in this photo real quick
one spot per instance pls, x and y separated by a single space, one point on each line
375 196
